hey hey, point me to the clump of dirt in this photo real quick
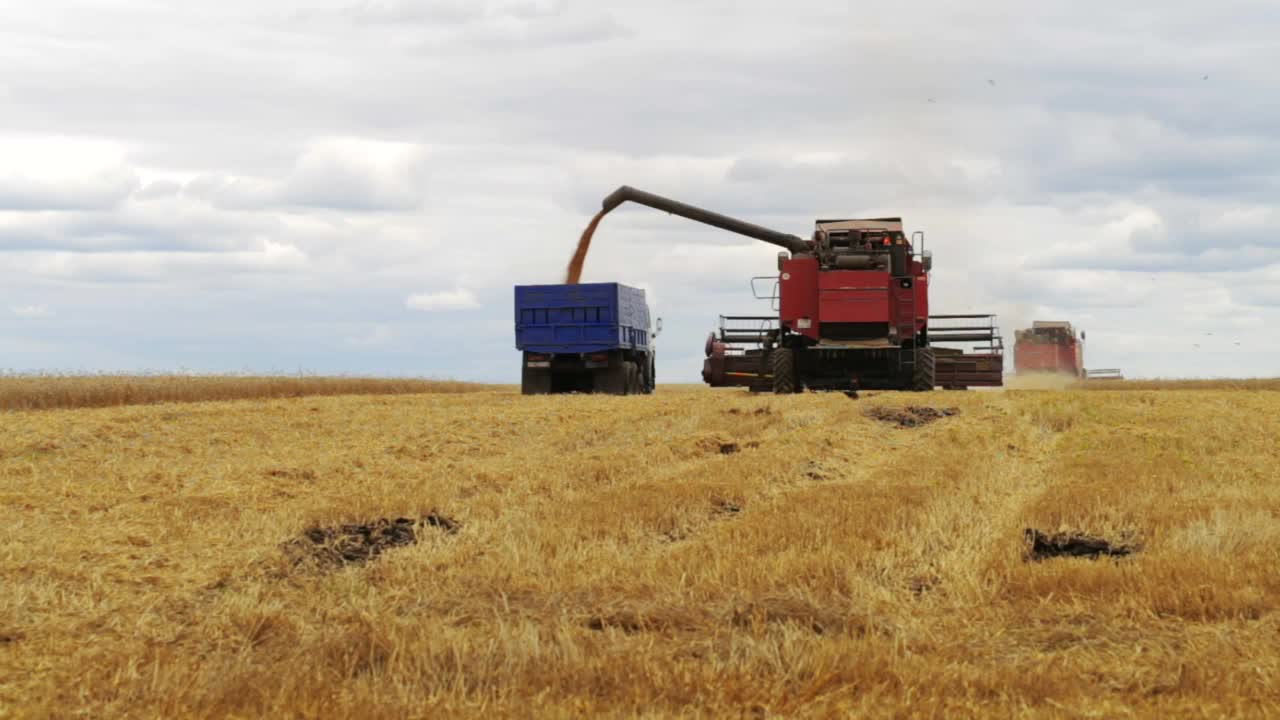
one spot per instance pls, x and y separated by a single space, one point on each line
921 584
292 474
632 620
725 507
1042 546
911 416
769 611
719 444
765 410
627 622
675 535
815 470
358 543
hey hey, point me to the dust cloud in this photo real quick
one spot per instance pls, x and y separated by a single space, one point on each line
1041 381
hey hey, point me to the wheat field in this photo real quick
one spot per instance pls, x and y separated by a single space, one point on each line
52 391
691 553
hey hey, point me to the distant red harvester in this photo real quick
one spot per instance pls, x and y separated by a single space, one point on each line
1049 347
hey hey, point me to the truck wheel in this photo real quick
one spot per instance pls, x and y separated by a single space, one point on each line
612 380
783 363
633 378
651 382
535 381
622 382
924 373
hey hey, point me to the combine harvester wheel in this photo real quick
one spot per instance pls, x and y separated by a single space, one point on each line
924 374
783 361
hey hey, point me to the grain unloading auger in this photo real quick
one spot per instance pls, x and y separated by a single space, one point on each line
853 312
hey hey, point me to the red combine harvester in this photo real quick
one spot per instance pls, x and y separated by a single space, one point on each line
1050 346
852 308
1053 347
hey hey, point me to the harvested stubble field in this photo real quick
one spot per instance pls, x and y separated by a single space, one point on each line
693 552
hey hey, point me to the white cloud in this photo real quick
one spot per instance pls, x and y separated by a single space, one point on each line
390 145
344 173
158 189
43 171
400 11
103 190
184 269
31 311
443 300
377 335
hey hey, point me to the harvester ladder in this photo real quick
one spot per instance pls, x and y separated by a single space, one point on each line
915 333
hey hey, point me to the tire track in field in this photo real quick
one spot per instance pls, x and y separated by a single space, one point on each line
721 460
980 475
917 507
711 462
811 451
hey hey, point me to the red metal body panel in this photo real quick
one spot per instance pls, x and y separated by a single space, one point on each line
1043 357
799 296
851 296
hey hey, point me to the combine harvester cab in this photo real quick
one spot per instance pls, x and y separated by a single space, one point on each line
590 337
852 312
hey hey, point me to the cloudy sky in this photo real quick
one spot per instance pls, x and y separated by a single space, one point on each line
355 187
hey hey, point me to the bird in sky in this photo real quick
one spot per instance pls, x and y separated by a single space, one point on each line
1206 77
992 83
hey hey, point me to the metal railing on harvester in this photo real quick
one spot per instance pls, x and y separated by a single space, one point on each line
1104 374
979 359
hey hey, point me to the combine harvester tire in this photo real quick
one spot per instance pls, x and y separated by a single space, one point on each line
924 374
783 362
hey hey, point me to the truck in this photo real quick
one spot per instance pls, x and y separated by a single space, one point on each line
586 338
851 311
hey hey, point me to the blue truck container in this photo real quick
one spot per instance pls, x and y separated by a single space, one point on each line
590 337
